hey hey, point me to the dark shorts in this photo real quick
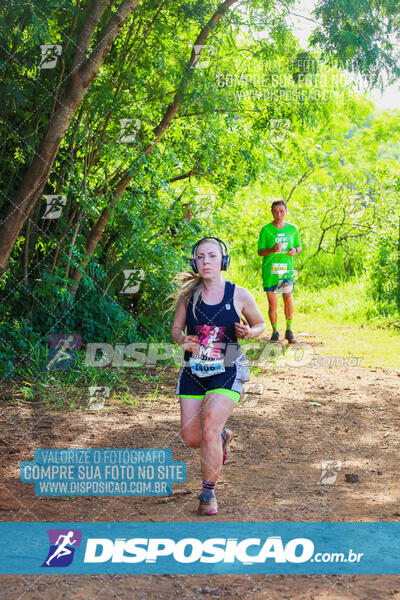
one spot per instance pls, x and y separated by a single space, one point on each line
233 379
274 288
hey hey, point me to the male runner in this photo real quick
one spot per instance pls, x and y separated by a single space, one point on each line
278 242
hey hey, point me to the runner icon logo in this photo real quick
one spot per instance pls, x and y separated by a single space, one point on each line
61 551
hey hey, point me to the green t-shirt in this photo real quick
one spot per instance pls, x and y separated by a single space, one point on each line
278 266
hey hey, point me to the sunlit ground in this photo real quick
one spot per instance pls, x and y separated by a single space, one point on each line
377 347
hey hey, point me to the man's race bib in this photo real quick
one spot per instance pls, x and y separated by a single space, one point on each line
279 268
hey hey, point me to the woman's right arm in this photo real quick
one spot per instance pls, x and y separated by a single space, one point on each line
188 342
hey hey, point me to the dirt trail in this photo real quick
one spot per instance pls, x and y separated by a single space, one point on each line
272 474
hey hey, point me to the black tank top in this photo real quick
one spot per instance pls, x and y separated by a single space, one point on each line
215 327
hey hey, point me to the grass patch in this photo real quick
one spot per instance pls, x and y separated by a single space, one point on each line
345 319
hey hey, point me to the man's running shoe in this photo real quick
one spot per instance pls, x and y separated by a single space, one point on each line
227 434
208 504
275 337
289 336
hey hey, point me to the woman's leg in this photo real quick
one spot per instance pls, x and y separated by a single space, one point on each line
215 410
190 421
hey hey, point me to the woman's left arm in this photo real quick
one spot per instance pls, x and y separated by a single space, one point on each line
252 324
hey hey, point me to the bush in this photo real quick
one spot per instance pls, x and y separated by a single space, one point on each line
384 275
18 343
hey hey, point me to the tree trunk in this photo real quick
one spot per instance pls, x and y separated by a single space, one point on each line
80 78
61 240
93 240
170 113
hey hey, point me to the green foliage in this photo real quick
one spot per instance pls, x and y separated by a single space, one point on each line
356 32
18 345
215 170
345 301
384 273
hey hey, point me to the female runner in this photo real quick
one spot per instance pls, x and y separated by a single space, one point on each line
214 369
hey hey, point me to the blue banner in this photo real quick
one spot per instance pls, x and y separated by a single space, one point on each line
103 472
195 548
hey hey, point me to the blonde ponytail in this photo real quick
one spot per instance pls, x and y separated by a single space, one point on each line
188 284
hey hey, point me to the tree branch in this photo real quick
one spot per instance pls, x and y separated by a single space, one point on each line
183 176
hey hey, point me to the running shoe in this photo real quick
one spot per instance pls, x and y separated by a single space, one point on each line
208 504
227 434
289 336
275 337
